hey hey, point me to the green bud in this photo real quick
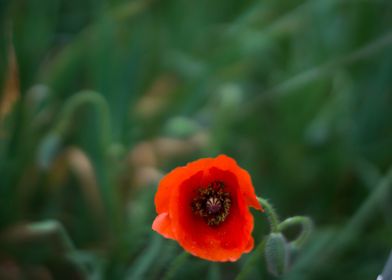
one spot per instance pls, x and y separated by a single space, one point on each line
277 254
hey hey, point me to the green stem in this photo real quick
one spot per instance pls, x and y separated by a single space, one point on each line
53 227
273 219
307 227
175 265
271 214
54 231
75 102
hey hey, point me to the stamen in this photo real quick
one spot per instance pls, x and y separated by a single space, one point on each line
212 203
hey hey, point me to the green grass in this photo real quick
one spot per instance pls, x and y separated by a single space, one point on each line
113 94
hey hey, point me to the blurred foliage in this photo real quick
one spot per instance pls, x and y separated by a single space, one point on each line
100 98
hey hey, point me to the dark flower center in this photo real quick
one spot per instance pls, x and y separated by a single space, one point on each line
212 203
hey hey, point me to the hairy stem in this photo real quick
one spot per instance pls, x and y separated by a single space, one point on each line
307 227
271 214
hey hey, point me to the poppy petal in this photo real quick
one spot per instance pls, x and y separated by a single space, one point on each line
162 225
226 163
224 243
177 219
174 179
250 245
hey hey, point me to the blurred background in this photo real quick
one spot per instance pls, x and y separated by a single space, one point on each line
99 99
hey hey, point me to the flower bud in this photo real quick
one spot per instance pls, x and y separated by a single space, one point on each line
277 254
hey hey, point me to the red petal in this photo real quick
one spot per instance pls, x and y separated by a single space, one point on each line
174 179
225 242
245 183
162 225
250 245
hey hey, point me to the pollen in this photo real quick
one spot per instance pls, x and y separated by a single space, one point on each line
212 203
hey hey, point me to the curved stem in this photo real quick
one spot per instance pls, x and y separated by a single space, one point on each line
55 234
307 227
273 219
271 214
79 99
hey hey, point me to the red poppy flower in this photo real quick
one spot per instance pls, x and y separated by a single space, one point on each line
205 207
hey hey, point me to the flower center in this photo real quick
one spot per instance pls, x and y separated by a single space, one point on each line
212 203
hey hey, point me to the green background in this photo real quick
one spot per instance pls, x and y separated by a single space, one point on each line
114 94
